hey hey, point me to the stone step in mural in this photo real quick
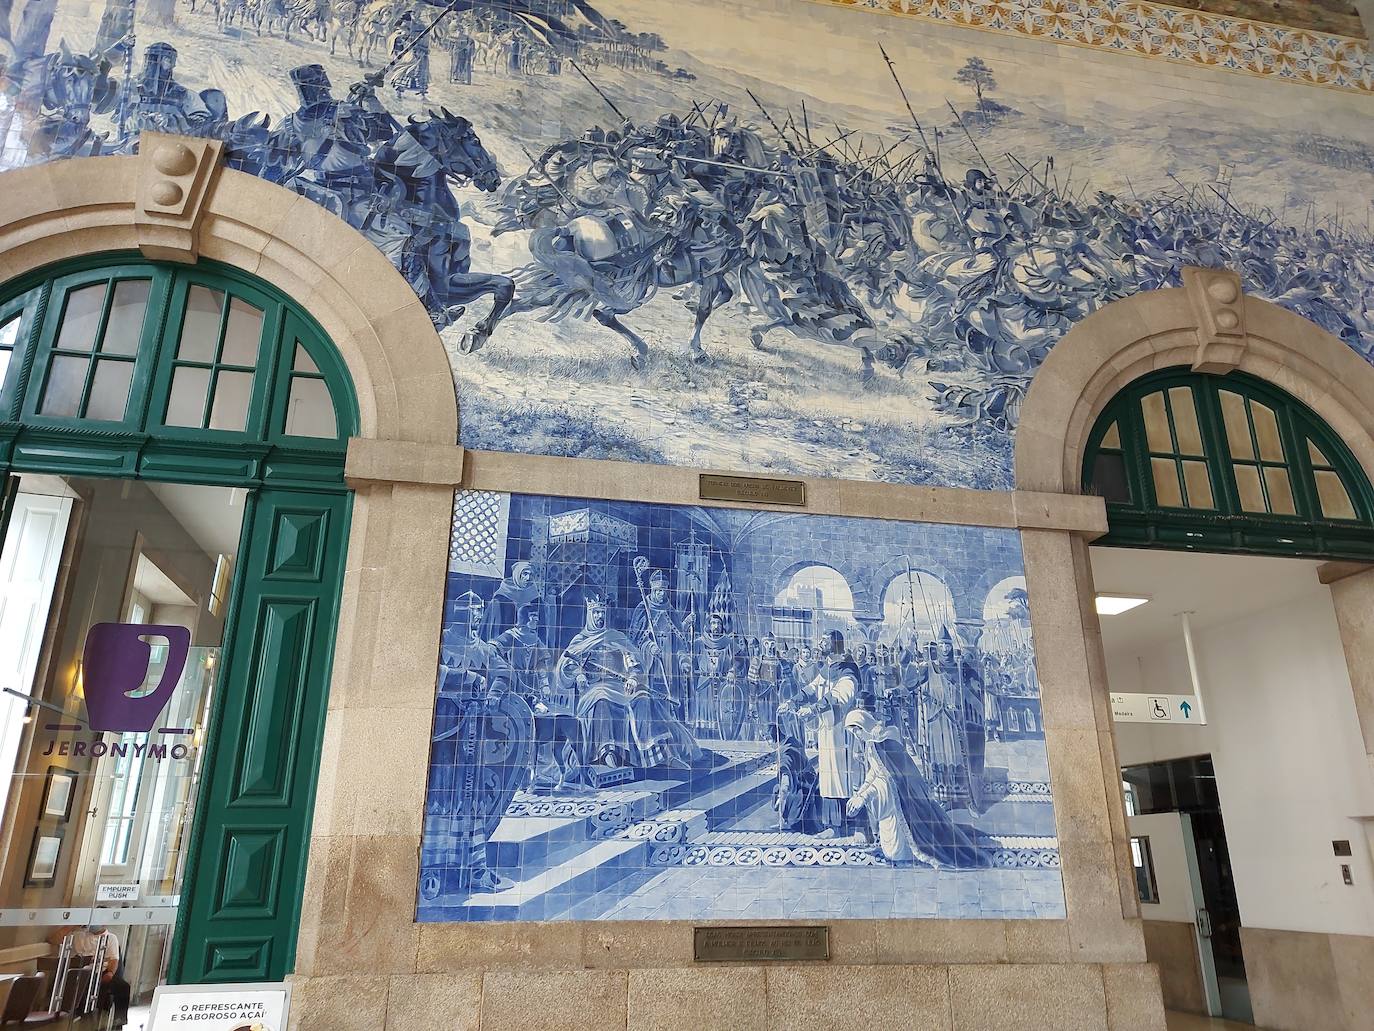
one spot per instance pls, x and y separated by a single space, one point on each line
537 826
546 838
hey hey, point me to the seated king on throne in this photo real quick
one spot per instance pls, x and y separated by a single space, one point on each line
625 723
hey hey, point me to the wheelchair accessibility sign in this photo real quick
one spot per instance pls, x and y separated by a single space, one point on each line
1157 708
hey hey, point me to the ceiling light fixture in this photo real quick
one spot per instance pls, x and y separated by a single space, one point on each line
1115 604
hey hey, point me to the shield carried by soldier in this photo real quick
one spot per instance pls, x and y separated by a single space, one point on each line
731 708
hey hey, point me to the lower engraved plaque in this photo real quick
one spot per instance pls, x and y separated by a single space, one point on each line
760 944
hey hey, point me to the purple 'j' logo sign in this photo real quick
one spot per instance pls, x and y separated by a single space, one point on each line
115 664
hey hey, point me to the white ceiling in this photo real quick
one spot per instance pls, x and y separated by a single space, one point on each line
1216 589
212 515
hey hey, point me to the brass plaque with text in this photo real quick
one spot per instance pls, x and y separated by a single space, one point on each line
717 487
760 944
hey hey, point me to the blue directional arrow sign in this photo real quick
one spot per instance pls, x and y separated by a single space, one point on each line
1186 708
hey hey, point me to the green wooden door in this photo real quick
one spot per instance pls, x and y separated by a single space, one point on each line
253 822
118 367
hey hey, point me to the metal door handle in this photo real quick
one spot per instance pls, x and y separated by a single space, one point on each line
1204 923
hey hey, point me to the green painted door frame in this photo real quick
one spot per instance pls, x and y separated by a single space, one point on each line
240 905
246 862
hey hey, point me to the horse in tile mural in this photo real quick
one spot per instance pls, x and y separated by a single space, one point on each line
842 265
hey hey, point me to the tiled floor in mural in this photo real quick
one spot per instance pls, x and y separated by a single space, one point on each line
643 714
664 863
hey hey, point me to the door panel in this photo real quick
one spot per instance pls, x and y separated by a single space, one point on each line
253 821
30 557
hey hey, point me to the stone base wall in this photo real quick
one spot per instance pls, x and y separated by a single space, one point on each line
786 997
1171 945
1300 980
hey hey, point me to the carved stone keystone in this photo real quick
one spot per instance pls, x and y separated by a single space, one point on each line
1218 300
174 178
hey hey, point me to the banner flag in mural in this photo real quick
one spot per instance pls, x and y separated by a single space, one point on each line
669 712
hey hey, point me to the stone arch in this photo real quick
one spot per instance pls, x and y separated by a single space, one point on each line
884 575
172 201
785 570
1209 325
988 581
1006 579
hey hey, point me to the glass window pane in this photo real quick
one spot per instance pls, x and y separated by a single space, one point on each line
200 327
242 335
1167 492
229 411
1315 453
1199 485
1335 500
186 404
1109 478
1157 423
1185 421
1237 425
125 328
62 392
1247 481
81 318
110 389
1267 432
310 409
1280 491
9 333
302 362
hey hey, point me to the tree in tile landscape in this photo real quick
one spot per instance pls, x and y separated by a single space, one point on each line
550 188
978 76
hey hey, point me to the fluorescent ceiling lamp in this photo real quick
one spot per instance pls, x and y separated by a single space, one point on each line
1115 604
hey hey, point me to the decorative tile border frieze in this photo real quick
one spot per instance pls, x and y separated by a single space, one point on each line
1156 31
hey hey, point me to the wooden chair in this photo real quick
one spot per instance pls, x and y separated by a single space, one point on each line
18 1010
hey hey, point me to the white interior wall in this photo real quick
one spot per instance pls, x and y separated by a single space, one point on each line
1290 765
1165 831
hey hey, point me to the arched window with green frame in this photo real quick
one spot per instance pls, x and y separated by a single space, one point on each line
1226 463
116 367
169 370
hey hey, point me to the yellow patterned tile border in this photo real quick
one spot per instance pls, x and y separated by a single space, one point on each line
1154 30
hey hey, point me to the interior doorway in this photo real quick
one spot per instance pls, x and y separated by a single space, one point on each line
1234 821
174 519
1183 869
94 815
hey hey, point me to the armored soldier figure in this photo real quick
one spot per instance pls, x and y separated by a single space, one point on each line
161 104
410 49
482 747
718 659
323 148
953 690
660 632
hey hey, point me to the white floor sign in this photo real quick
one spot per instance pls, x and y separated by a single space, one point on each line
1157 708
222 1007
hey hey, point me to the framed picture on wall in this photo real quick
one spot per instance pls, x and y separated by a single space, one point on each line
43 853
58 793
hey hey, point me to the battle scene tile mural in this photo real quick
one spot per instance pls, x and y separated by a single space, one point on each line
763 235
671 712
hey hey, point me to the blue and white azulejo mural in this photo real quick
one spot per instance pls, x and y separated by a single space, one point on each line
670 712
744 234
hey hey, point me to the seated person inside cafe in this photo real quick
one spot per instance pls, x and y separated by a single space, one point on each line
86 944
